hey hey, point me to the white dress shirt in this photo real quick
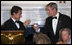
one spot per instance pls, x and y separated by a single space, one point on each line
54 23
17 24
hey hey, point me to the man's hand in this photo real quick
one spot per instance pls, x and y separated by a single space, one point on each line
27 22
35 26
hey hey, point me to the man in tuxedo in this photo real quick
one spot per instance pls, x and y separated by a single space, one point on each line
13 23
55 22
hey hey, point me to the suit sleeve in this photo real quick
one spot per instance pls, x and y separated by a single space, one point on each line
68 22
45 29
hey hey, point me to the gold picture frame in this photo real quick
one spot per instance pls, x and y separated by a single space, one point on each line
62 1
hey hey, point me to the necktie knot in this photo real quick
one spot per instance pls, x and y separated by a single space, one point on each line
54 17
16 21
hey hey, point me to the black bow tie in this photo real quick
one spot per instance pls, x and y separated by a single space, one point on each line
16 21
54 17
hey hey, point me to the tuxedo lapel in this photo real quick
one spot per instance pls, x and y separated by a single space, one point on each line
50 27
59 23
13 24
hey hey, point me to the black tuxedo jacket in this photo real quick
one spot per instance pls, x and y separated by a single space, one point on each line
10 25
63 22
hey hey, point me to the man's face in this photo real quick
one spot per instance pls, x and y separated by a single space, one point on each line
18 15
50 12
